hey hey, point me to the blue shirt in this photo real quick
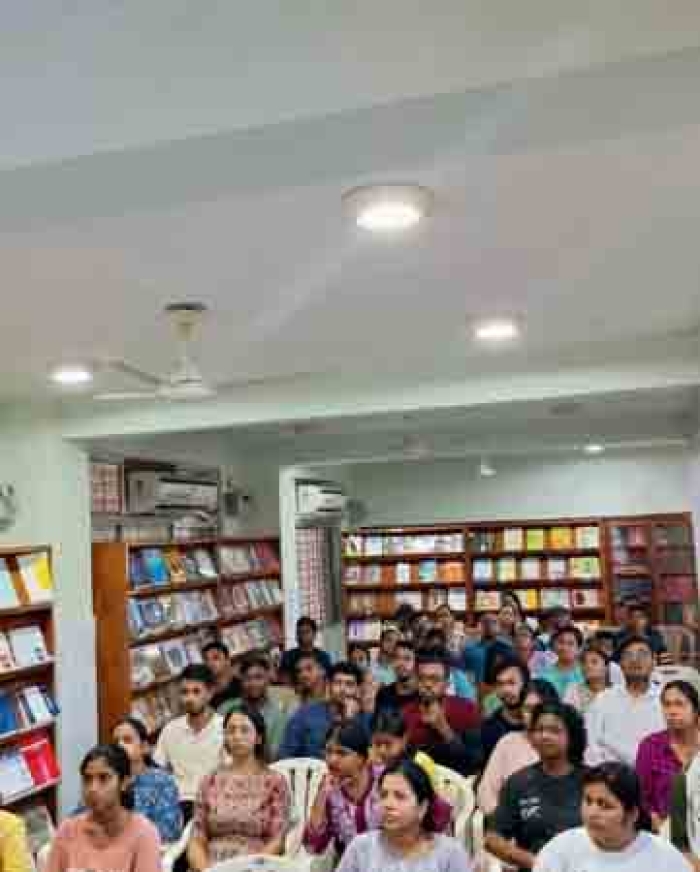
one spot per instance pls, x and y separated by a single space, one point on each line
305 735
561 679
461 686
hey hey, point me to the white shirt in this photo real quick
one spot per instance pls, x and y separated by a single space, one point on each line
188 754
617 722
573 851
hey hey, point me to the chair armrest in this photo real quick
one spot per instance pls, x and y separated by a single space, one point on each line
174 851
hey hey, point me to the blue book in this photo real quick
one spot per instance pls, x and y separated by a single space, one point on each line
8 715
137 571
154 565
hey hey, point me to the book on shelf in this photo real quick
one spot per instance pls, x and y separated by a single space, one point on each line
678 589
372 574
427 571
265 557
151 615
38 825
352 545
487 600
529 599
362 604
561 538
374 546
175 655
352 573
588 628
513 539
396 545
15 776
154 566
28 646
36 577
557 569
158 665
585 599
35 706
482 570
457 599
9 598
368 630
554 598
7 660
448 542
451 571
585 568
482 540
189 564
175 566
507 569
637 589
402 573
39 756
530 569
435 598
205 563
413 598
534 539
587 537
672 535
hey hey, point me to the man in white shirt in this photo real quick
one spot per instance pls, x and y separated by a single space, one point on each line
623 715
190 746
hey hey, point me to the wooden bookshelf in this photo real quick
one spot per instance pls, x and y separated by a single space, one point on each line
29 727
126 640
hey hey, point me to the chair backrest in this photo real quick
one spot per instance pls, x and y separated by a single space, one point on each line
664 674
304 776
257 863
455 789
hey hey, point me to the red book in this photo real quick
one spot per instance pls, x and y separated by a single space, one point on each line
40 759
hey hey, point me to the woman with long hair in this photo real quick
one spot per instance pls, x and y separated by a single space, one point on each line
544 799
613 835
407 839
595 666
155 791
109 835
243 807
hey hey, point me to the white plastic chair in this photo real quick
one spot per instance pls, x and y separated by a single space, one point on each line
174 851
663 674
257 863
459 792
304 776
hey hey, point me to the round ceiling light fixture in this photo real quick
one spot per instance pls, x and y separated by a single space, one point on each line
496 330
388 208
593 448
72 375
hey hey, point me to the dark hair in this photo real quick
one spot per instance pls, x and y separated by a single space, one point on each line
420 784
546 691
442 607
258 722
525 628
593 648
573 722
389 721
306 621
512 663
116 758
633 640
509 598
352 735
198 672
623 783
310 655
217 645
356 646
687 690
638 607
389 631
435 638
346 668
141 731
253 659
433 656
407 645
570 629
604 636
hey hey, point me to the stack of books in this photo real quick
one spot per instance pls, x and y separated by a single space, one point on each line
261 634
25 708
22 647
29 765
243 559
239 599
153 615
170 565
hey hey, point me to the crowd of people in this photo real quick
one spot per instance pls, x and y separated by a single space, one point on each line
551 726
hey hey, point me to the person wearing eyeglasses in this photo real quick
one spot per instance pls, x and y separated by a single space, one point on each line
621 717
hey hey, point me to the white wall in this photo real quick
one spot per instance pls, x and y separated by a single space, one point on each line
450 490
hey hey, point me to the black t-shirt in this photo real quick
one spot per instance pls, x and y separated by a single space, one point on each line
231 691
533 807
388 697
493 729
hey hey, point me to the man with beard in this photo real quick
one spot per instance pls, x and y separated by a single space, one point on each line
310 678
511 678
405 688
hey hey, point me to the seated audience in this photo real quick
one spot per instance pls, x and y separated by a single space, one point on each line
566 671
383 669
551 621
109 835
685 812
612 836
621 716
636 622
389 737
510 615
256 676
420 626
190 746
605 641
525 647
405 688
515 750
154 790
445 727
544 799
358 654
306 731
306 631
478 656
310 678
14 850
511 679
663 755
459 685
596 678
455 638
226 683
243 806
407 839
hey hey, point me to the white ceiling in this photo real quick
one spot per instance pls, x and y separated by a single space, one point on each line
561 143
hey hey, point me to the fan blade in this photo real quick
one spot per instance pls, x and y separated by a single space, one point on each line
125 396
134 372
262 381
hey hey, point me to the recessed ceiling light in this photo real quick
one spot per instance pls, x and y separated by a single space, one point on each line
594 448
486 469
387 208
71 376
496 330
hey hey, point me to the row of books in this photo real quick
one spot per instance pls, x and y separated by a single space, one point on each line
25 580
156 707
150 663
370 545
507 569
262 633
535 539
423 571
238 599
21 647
24 708
154 615
251 557
546 598
28 765
170 565
385 604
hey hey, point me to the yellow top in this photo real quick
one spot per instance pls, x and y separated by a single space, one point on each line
14 853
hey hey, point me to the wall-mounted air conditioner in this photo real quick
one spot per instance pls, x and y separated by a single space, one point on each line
152 492
320 500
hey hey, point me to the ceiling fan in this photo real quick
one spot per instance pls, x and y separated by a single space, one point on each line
185 382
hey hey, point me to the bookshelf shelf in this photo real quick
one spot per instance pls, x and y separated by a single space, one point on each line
35 609
540 552
569 583
30 794
170 610
396 587
27 671
8 738
405 558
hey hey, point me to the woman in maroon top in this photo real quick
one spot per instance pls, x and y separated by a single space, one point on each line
661 756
